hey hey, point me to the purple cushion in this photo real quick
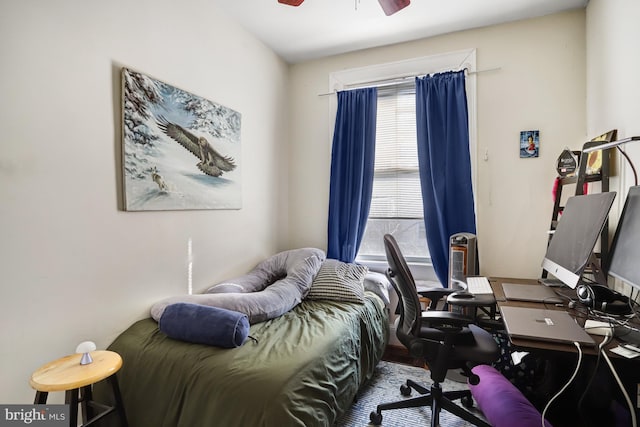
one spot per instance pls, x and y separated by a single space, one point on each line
501 402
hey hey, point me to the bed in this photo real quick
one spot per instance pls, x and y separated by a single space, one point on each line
300 369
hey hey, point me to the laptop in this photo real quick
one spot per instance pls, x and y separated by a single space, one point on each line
543 325
531 293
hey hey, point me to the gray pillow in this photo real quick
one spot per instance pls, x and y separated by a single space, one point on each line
339 281
272 288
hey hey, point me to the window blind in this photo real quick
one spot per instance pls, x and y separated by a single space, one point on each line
396 187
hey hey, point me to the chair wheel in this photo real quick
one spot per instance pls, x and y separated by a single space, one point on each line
405 390
467 401
473 379
375 418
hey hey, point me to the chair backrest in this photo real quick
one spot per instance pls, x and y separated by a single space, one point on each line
402 280
445 340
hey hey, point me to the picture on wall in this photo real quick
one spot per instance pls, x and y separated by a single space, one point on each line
529 143
594 160
180 151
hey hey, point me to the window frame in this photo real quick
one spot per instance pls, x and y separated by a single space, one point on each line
395 72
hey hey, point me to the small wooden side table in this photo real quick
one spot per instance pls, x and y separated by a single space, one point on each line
76 380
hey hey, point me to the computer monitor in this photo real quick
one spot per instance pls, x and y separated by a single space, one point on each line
624 257
572 243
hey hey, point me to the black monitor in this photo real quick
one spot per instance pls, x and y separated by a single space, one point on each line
624 257
572 243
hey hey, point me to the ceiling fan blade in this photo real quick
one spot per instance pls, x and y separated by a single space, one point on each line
291 2
392 6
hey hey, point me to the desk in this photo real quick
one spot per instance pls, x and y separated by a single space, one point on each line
578 313
603 401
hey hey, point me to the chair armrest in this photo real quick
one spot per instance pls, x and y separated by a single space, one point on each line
435 295
435 318
439 332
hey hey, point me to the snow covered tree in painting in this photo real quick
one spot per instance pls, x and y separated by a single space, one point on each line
181 151
139 91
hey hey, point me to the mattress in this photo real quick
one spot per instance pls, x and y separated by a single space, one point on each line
300 369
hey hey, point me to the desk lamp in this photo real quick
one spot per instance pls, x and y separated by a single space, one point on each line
85 348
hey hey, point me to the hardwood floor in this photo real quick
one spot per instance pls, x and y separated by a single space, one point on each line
400 354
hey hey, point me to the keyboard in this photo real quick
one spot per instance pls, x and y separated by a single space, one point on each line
479 286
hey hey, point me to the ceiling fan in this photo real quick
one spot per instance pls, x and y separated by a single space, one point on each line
389 6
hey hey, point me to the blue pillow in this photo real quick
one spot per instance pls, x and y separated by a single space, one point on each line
203 324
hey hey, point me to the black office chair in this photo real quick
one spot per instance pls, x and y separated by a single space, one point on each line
443 339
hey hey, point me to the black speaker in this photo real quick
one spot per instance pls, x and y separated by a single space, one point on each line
603 299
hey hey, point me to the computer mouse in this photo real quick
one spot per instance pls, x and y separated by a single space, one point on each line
462 295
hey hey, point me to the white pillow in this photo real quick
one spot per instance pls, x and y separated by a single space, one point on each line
339 281
378 284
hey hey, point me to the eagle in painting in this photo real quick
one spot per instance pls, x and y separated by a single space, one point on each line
211 162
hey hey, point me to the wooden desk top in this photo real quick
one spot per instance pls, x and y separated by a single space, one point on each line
67 373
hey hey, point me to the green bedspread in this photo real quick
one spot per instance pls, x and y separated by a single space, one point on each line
304 370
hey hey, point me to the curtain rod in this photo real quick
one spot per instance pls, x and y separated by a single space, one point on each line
396 80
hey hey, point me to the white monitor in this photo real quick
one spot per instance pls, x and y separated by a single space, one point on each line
624 261
572 243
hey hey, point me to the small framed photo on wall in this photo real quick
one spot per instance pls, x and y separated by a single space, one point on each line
529 143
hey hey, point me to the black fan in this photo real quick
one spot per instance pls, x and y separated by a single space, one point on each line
389 6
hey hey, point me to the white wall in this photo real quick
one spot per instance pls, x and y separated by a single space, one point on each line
75 267
613 86
613 60
541 85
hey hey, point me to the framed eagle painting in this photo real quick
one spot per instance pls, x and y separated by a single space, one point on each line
180 151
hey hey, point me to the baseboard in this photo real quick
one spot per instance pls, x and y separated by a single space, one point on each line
400 354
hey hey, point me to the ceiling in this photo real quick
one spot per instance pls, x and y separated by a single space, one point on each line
319 28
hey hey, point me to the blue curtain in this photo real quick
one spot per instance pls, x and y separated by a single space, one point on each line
352 165
444 163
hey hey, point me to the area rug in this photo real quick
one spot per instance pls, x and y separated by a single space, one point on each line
385 387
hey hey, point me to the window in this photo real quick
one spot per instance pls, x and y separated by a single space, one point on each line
396 204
